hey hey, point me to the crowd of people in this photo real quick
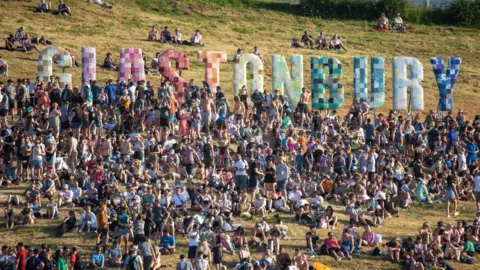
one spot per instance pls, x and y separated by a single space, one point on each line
133 166
165 36
145 169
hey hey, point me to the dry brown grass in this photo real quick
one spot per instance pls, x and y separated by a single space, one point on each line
227 29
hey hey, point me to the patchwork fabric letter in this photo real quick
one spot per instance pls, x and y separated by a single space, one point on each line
401 84
320 83
446 80
255 76
291 80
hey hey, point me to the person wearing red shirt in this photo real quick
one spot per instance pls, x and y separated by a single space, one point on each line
22 255
333 247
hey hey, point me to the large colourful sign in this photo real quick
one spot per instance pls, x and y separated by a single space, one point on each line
248 71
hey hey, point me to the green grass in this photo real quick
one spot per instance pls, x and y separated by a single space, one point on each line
226 26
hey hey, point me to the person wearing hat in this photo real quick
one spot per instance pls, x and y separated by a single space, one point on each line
133 260
108 62
65 196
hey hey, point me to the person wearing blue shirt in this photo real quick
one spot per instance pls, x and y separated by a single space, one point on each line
111 89
168 242
452 138
98 258
472 150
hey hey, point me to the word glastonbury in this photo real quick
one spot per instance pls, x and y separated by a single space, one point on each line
287 80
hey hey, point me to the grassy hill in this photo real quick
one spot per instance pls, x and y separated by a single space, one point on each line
228 25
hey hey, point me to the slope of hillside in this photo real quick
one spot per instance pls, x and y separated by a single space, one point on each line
231 24
226 26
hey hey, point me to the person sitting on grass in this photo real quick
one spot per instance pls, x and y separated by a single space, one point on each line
307 40
196 38
3 67
21 35
10 42
165 35
321 42
63 9
102 4
153 34
382 22
333 247
44 6
336 43
398 23
257 52
28 46
108 63
68 224
167 242
295 43
88 220
40 40
115 255
177 36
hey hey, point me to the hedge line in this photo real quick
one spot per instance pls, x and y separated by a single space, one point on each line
461 12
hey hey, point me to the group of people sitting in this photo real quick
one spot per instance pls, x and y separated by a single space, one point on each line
321 42
62 8
176 38
22 41
383 23
46 7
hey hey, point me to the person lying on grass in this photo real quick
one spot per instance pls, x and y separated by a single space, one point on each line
102 4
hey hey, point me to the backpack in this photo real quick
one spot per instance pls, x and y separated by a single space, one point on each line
31 263
132 265
78 262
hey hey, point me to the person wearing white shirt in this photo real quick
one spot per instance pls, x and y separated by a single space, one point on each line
259 204
371 164
294 196
66 196
102 4
196 38
476 190
241 167
193 239
177 36
3 67
179 198
398 22
88 220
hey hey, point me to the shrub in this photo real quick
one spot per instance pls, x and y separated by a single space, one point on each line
461 12
464 13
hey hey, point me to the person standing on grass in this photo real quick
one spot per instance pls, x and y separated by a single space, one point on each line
21 257
133 260
451 194
184 264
